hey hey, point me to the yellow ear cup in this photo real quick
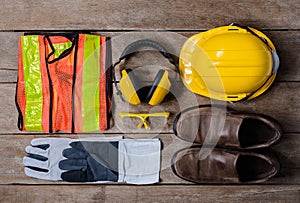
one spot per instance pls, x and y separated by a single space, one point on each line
127 88
162 86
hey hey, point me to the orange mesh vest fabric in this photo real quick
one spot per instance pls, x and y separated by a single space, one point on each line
64 83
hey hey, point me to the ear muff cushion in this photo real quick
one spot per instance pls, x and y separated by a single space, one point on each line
129 86
139 87
132 78
154 85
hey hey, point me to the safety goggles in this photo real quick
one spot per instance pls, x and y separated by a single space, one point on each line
144 117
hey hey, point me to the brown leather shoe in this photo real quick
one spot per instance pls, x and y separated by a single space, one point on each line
226 127
224 166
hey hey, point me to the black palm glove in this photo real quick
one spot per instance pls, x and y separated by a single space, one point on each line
90 161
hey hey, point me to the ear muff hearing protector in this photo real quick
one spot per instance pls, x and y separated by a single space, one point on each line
136 91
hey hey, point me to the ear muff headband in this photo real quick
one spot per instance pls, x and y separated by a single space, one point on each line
135 47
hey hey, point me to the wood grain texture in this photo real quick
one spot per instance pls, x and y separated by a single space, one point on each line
286 109
143 14
277 19
287 44
97 193
271 103
13 151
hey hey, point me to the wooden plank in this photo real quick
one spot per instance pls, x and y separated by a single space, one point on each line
13 151
285 109
8 115
96 193
287 44
9 56
278 20
118 14
270 103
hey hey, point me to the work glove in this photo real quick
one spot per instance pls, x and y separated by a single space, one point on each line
44 156
134 161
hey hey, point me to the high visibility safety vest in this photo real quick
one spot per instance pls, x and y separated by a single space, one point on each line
64 83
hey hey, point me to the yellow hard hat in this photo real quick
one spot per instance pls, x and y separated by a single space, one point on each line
229 63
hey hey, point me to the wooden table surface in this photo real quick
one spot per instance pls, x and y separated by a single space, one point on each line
170 23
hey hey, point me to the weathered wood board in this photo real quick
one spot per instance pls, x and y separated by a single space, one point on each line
170 23
271 103
132 15
287 44
166 193
12 153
